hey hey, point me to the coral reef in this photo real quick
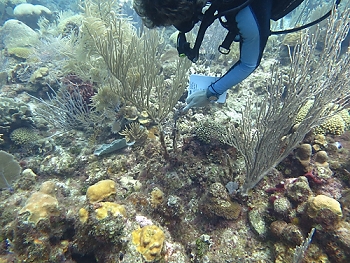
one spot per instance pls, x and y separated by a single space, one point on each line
209 131
135 133
299 190
38 75
75 84
108 208
303 154
20 52
24 136
157 197
175 195
30 14
335 125
288 233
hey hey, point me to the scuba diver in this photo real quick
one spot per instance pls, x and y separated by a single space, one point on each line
247 21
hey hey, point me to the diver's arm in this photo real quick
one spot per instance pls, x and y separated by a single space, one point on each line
252 46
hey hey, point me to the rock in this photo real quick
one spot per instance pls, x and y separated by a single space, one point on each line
217 203
298 190
257 222
277 227
30 14
342 234
325 211
15 33
287 232
282 206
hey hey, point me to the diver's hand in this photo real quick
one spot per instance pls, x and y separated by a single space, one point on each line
196 100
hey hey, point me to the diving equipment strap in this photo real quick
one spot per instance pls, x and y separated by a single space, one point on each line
209 17
306 25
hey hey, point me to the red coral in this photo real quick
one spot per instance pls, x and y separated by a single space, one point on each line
313 178
278 188
76 84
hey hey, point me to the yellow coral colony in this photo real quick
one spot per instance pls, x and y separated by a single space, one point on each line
157 197
100 190
41 204
321 202
149 241
109 207
83 215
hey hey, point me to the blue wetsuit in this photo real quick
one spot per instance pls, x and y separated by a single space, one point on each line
253 24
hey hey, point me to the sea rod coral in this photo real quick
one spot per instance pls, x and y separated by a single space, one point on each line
323 80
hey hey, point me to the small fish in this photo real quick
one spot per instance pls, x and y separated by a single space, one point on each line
338 145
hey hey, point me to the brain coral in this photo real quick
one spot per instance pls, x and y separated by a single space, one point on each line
149 241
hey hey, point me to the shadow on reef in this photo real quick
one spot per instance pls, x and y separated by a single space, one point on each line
89 258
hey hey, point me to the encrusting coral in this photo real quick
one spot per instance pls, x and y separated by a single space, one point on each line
109 208
149 241
83 215
157 197
42 204
100 190
325 211
20 52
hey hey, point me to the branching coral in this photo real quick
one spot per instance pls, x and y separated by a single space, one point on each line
67 110
135 133
134 62
323 79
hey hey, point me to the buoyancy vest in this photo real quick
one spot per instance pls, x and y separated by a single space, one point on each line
228 9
